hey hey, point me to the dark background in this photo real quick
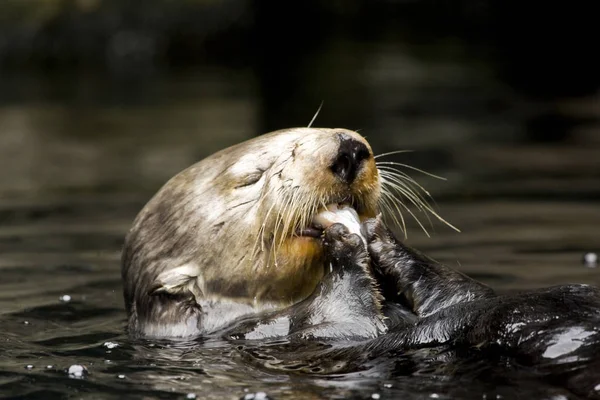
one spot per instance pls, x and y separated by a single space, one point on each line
101 95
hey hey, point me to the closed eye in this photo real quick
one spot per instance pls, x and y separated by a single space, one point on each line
250 179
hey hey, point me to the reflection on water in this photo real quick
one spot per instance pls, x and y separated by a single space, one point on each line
80 155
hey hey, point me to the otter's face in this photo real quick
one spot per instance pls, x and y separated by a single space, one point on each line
263 201
238 224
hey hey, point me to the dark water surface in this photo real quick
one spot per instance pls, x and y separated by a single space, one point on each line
82 154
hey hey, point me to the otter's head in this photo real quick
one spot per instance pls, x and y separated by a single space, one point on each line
289 176
239 225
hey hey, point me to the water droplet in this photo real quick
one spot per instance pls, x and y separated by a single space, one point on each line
190 396
49 366
77 371
121 376
111 345
25 322
65 298
29 366
375 396
590 260
387 385
256 396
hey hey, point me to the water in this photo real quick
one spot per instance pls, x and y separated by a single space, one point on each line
81 154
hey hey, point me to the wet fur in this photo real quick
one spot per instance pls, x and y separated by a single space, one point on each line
554 330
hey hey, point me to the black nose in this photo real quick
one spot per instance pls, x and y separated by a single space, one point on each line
348 160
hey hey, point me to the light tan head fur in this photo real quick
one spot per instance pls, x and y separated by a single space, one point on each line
227 226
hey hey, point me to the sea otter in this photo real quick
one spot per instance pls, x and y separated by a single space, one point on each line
240 234
281 236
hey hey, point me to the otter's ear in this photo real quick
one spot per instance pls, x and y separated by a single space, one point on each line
176 280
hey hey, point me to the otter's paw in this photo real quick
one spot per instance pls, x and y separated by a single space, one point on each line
343 247
381 241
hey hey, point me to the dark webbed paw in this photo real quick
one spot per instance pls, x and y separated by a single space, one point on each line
348 289
343 248
414 280
379 237
385 250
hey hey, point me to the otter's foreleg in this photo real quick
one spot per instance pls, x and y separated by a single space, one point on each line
345 305
347 302
418 282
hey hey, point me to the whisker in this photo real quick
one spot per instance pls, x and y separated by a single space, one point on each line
415 218
406 181
401 183
419 201
411 167
280 227
316 114
392 153
423 207
415 201
388 198
261 233
405 176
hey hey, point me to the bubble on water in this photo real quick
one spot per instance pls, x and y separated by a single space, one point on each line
190 396
256 396
121 376
77 371
111 345
590 259
65 298
387 385
29 366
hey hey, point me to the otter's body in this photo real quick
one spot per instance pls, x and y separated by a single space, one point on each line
554 332
237 246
